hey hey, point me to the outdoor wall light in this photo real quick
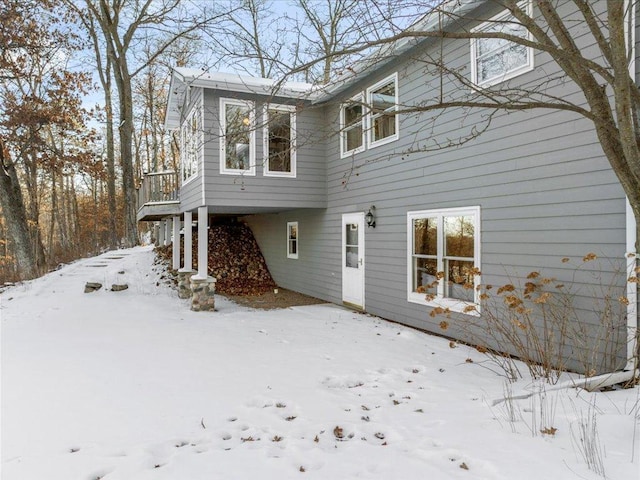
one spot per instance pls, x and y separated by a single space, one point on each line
369 218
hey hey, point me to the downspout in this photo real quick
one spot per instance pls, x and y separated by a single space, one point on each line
632 291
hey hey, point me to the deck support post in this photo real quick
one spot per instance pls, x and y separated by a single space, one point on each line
203 286
186 272
175 251
161 233
167 232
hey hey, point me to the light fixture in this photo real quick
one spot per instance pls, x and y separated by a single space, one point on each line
369 218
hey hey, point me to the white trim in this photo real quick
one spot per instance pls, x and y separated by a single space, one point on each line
342 137
297 240
189 139
203 236
355 217
265 139
252 137
440 300
487 26
188 242
369 117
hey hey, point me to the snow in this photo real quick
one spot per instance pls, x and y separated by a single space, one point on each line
134 385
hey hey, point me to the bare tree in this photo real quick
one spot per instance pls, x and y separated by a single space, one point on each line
610 97
126 26
328 27
250 37
37 93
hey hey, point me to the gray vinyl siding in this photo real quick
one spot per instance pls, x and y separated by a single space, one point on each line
316 271
228 193
544 187
545 191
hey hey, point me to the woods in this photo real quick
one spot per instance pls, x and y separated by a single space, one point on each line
83 85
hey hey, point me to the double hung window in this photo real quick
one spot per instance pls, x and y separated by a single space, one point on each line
371 119
237 137
494 60
352 126
382 99
191 144
279 141
444 258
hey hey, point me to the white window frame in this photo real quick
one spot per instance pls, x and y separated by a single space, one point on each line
291 254
489 26
265 139
453 304
371 117
191 144
252 137
358 99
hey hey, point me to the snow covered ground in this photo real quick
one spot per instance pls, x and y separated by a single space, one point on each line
133 385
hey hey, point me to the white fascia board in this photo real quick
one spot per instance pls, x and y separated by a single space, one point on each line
245 84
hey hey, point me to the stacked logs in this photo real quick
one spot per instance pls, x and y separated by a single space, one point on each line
234 258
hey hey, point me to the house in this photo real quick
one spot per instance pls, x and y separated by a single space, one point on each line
355 200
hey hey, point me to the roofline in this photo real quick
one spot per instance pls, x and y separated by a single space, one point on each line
439 17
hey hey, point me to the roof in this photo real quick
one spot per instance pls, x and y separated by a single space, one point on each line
440 17
183 78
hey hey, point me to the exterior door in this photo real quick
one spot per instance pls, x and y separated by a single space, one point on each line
353 259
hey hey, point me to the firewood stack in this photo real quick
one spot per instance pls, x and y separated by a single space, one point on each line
235 260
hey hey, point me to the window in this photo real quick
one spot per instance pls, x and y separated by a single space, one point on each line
190 144
382 99
352 126
444 258
292 239
237 137
280 141
494 60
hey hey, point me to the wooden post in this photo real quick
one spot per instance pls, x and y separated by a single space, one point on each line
167 232
188 242
203 286
203 243
161 233
176 243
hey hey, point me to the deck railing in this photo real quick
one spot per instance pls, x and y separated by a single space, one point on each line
158 187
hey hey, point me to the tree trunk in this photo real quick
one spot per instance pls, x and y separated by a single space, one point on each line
111 167
30 261
123 82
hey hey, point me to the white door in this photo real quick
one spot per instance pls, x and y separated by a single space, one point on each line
353 259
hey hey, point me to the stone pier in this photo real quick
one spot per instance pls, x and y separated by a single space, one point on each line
184 283
203 290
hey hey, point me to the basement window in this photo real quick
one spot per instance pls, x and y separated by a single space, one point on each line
292 239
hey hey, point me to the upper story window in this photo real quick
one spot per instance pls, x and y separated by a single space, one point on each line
279 141
352 126
382 99
237 137
494 60
190 144
444 258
